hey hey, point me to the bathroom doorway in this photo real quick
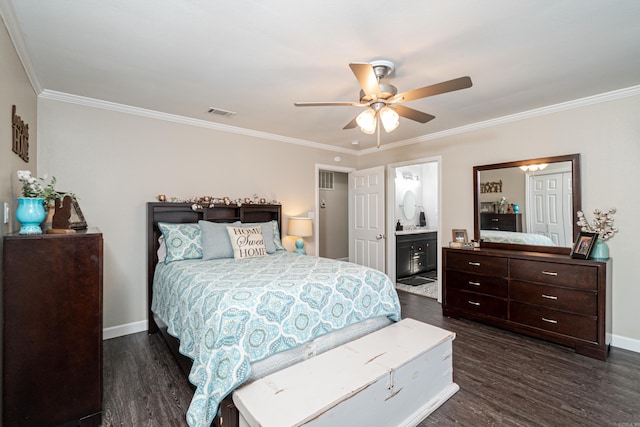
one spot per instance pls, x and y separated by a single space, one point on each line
413 218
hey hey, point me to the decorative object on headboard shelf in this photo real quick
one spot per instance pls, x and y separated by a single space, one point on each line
491 187
602 226
201 202
20 143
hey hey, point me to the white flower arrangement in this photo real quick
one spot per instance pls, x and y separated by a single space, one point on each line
40 188
602 223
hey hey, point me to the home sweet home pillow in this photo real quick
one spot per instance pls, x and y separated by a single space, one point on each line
247 242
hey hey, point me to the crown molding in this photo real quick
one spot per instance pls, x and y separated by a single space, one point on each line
106 105
569 105
112 106
127 109
11 23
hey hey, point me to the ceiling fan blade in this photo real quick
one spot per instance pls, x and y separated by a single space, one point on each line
436 89
367 78
329 104
410 113
352 124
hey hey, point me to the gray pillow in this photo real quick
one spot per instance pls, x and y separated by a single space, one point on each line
269 233
215 240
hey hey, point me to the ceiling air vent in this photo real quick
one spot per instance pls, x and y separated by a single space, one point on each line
221 113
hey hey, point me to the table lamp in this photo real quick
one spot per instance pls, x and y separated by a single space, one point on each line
300 227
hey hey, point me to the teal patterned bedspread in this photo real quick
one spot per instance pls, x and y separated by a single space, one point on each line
229 313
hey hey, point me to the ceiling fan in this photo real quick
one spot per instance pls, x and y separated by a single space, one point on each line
382 101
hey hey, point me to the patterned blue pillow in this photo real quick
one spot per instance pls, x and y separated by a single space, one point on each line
182 241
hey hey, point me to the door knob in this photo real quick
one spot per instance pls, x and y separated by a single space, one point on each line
380 236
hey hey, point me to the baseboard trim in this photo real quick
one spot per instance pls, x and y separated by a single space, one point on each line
122 330
625 343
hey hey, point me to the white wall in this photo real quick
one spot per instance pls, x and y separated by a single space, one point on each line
16 90
607 135
117 162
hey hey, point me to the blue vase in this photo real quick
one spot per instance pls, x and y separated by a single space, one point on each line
30 214
600 250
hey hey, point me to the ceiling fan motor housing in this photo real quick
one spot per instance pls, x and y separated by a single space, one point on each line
387 91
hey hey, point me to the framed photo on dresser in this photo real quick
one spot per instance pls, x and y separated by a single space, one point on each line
583 245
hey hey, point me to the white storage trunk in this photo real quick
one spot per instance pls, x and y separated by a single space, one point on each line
395 376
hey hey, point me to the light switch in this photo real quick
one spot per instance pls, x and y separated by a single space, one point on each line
6 213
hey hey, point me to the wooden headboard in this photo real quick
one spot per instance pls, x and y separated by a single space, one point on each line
180 213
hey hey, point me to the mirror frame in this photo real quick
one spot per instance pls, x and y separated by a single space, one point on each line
576 198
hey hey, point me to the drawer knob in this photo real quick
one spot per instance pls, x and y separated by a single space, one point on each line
549 320
475 264
550 273
474 303
549 296
474 283
495 219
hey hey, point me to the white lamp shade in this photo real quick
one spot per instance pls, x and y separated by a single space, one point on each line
300 227
367 121
390 119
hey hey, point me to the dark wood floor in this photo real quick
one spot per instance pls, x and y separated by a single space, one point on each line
505 380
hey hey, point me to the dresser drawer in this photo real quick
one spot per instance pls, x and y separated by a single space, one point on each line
472 263
575 301
573 325
476 303
496 286
577 276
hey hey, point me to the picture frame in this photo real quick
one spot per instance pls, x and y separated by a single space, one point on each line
76 220
459 235
583 245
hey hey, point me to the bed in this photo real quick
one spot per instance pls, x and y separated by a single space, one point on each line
496 236
264 313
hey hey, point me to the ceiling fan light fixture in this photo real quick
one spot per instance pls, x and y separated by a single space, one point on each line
367 121
390 119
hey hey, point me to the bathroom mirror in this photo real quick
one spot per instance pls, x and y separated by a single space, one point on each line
409 205
547 193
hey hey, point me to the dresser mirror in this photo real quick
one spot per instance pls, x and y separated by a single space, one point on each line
528 204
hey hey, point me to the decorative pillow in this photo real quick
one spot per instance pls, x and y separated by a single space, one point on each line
270 233
182 241
215 240
276 236
247 242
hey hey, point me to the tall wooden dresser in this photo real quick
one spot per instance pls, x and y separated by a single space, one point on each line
549 296
52 331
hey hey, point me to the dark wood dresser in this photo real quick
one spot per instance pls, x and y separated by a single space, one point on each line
548 296
52 331
502 222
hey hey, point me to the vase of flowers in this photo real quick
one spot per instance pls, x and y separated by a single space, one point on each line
30 214
602 225
38 196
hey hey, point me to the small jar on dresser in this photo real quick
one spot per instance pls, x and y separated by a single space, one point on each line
548 296
52 331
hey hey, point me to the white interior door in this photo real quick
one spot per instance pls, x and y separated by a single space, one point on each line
367 218
550 202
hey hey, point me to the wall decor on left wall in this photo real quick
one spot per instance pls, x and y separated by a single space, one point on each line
20 144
